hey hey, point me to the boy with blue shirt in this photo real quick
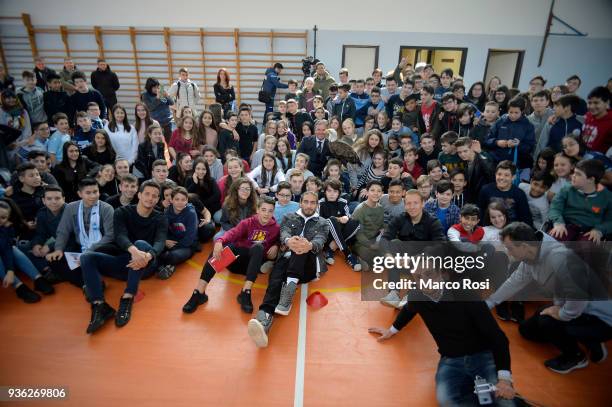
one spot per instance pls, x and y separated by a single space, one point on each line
55 146
566 123
362 103
284 204
85 133
442 207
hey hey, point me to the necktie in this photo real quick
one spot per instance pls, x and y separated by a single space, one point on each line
320 146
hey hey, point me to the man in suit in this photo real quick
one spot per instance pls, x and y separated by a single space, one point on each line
317 148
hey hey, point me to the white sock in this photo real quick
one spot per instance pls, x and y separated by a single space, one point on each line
292 280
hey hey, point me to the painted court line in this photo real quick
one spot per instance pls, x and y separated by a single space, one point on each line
298 400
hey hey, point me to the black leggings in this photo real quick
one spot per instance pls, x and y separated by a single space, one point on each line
249 262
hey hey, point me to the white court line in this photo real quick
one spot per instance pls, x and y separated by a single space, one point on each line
298 399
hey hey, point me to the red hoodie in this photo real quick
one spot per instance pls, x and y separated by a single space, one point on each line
250 231
597 133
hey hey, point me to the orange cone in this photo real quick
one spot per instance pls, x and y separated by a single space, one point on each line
316 300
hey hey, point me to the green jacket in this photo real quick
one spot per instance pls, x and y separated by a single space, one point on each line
322 84
571 206
371 221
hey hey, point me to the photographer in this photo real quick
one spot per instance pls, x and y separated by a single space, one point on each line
469 341
271 83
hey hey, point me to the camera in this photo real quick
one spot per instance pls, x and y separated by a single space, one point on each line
484 390
308 64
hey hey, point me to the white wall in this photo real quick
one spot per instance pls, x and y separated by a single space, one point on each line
501 17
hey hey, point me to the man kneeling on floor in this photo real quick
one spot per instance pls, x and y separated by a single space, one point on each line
140 236
253 240
303 235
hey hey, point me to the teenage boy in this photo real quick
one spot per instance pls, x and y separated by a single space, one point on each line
448 156
376 104
370 215
458 179
540 103
393 201
342 228
395 172
32 98
28 196
83 95
253 241
86 225
104 80
504 190
319 105
42 72
332 98
47 222
442 207
446 78
159 172
479 170
344 107
292 90
296 118
140 237
428 150
247 134
429 111
512 137
85 133
580 211
362 102
447 119
391 88
296 181
36 142
93 110
535 191
482 129
467 230
573 84
55 146
411 165
271 83
410 116
284 204
184 92
303 235
55 100
301 164
395 104
128 186
597 130
566 123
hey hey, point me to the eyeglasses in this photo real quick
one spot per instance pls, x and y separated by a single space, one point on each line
284 195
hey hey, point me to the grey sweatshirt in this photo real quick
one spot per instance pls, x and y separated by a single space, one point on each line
68 229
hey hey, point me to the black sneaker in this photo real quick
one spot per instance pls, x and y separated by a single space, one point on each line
503 311
244 299
53 278
517 311
597 351
566 363
100 313
28 296
166 271
124 313
195 301
41 284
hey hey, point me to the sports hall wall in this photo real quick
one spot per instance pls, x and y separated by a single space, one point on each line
246 36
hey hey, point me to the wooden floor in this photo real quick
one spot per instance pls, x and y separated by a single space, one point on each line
166 358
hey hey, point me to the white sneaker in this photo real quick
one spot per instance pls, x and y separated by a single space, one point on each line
403 302
392 299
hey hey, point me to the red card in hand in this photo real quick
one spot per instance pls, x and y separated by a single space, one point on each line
227 258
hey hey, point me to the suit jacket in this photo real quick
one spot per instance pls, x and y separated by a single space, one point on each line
318 160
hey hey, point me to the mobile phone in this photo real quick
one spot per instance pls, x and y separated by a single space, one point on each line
478 114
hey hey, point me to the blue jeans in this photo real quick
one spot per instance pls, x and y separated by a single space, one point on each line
94 264
176 255
455 379
23 264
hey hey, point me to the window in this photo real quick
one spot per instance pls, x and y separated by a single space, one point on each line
360 60
505 64
439 57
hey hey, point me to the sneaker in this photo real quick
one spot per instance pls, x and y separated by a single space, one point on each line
597 351
195 301
125 311
53 278
403 302
100 313
286 298
364 265
266 267
41 284
353 261
566 363
503 311
28 296
517 311
392 299
329 257
166 271
244 299
259 328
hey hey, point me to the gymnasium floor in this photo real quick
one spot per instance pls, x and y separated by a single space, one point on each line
317 358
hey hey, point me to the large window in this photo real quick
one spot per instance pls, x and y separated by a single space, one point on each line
439 57
360 60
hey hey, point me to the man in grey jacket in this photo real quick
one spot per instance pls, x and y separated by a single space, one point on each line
96 218
581 310
303 235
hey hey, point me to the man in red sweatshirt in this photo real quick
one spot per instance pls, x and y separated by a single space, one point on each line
597 128
253 240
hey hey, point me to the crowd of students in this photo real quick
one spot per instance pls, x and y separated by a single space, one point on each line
136 195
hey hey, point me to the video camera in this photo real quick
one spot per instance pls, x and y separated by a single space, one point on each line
308 64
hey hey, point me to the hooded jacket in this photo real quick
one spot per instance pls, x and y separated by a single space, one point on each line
272 82
183 226
506 129
250 231
106 82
